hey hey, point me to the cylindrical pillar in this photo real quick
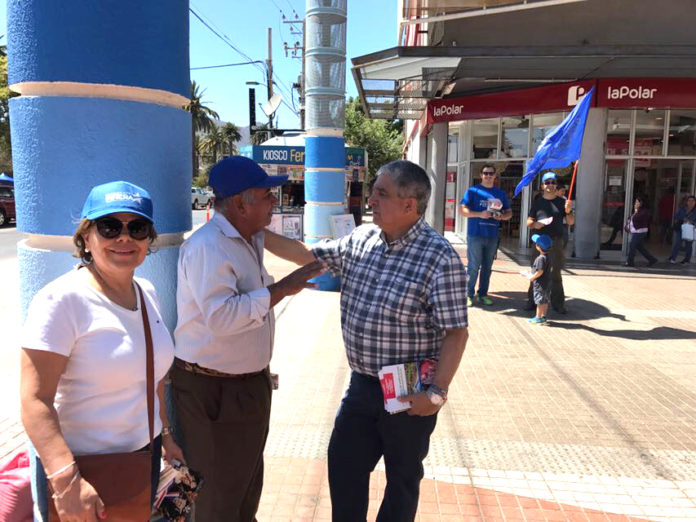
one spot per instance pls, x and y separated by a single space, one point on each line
437 172
325 156
102 86
590 186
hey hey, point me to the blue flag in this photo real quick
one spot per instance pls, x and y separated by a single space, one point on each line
560 147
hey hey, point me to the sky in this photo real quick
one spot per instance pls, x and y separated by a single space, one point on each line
244 24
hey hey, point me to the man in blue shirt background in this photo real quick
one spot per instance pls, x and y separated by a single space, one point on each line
484 205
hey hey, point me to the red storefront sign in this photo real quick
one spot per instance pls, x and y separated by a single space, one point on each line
549 98
615 93
626 93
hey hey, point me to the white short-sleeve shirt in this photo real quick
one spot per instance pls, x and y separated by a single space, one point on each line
101 397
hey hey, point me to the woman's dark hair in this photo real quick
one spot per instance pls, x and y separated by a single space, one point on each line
85 255
643 201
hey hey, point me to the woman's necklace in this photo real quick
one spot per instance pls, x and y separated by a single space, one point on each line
109 291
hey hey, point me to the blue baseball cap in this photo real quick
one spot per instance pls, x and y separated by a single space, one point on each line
235 174
117 196
548 175
543 241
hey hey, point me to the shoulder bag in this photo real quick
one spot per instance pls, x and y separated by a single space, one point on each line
687 232
122 480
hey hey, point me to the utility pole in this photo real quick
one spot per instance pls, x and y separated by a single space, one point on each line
297 48
269 74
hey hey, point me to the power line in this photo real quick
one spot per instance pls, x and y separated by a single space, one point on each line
224 65
226 40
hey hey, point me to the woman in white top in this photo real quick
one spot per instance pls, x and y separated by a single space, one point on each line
83 379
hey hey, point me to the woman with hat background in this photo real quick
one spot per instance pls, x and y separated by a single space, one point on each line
83 378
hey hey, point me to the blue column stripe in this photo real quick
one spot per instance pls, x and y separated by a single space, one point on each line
325 152
144 43
324 186
317 220
64 146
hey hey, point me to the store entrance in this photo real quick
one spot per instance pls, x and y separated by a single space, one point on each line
664 183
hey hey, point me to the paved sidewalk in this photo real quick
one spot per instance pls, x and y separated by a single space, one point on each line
590 418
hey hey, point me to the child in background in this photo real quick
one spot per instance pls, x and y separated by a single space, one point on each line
540 275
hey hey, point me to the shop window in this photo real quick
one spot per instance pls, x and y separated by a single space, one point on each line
515 137
485 138
650 132
618 132
452 148
682 133
613 212
543 125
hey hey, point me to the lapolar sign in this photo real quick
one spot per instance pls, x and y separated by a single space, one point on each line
636 93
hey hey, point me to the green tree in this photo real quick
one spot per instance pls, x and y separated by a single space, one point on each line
213 143
382 139
261 135
201 119
232 135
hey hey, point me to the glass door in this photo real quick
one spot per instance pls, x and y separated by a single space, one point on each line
613 205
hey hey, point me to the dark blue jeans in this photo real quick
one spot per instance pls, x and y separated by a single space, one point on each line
364 432
480 253
637 244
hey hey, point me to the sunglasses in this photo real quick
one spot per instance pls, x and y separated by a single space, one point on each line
549 182
110 228
488 173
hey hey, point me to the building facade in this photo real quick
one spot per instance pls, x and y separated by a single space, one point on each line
486 83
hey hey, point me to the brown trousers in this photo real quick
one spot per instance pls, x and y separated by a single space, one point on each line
224 426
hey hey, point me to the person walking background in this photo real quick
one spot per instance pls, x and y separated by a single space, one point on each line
83 371
686 214
484 205
638 226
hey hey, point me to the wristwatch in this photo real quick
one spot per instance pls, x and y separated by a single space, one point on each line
437 395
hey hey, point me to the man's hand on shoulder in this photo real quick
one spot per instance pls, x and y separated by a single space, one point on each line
296 281
421 404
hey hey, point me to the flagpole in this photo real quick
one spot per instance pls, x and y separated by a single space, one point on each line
572 180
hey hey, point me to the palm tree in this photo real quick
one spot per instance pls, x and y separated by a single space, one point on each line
232 135
213 142
261 135
201 119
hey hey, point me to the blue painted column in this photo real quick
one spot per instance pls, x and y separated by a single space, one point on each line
102 87
325 156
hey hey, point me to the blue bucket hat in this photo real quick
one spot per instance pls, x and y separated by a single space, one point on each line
117 196
235 174
548 175
543 241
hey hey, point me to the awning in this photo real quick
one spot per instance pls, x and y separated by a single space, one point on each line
399 82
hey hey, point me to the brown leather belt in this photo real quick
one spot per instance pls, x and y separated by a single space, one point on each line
199 370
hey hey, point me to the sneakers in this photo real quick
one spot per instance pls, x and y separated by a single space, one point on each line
484 299
469 302
673 261
541 321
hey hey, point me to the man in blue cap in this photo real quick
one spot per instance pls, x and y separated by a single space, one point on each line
224 339
546 217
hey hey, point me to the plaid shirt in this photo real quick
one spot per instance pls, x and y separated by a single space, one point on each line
397 299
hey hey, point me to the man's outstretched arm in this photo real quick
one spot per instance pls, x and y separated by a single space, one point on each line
288 249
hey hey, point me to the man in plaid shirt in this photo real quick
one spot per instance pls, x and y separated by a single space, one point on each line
403 298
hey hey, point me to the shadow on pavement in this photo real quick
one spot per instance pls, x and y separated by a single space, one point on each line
513 304
659 333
